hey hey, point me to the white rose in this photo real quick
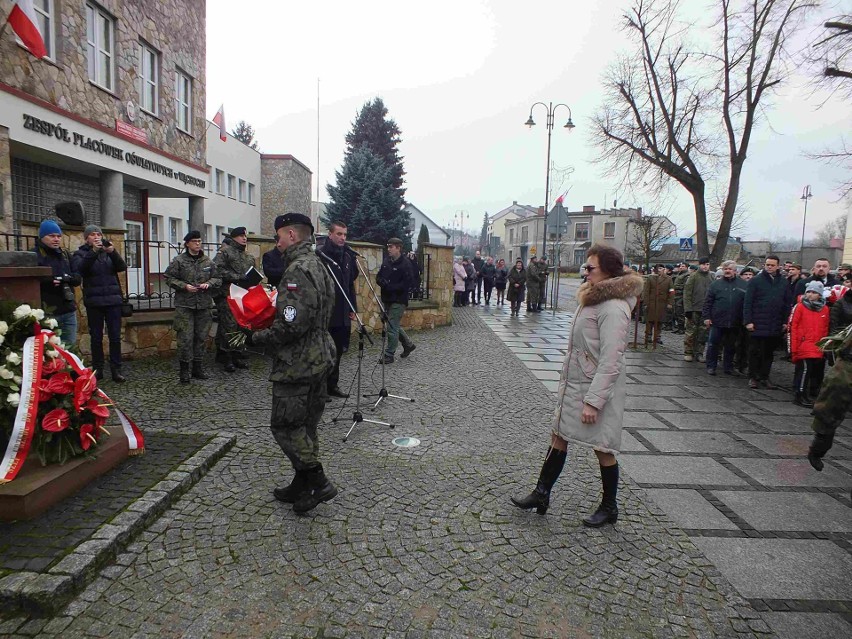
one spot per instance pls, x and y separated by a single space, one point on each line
13 398
2 339
24 310
4 328
17 379
13 358
54 340
5 373
52 353
51 323
38 314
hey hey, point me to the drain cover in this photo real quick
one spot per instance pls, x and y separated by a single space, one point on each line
406 442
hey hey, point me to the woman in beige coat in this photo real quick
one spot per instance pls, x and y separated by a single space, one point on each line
590 410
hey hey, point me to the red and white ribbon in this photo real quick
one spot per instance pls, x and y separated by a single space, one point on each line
25 418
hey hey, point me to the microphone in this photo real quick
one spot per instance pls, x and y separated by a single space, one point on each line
325 257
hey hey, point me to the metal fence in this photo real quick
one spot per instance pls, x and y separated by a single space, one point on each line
423 290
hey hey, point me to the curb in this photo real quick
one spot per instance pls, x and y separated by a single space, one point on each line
41 594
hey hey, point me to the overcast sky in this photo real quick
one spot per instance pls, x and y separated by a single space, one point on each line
459 78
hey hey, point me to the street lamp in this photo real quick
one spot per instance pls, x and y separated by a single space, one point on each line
806 195
551 108
460 215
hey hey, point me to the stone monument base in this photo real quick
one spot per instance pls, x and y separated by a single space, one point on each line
37 487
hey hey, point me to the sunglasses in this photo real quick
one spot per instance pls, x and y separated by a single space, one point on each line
589 268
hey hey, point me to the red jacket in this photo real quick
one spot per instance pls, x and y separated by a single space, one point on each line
807 327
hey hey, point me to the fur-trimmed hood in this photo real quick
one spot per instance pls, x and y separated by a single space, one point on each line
621 287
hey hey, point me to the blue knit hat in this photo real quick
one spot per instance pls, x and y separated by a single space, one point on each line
48 227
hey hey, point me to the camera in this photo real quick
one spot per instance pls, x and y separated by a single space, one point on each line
106 243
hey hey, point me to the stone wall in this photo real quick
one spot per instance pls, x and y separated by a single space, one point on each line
5 184
176 28
285 187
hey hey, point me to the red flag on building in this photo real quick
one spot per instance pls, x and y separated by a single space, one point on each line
219 120
25 25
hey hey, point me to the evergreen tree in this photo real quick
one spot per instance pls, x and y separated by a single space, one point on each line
423 236
382 136
483 236
244 132
363 198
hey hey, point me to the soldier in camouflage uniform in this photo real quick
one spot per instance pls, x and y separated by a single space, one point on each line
679 323
192 274
232 262
303 354
533 286
694 292
834 401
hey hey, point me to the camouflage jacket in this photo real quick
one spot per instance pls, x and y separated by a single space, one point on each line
232 261
679 283
301 346
185 270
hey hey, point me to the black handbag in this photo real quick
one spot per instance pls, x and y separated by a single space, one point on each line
126 309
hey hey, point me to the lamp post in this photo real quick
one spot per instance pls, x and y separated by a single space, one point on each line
806 195
460 215
551 108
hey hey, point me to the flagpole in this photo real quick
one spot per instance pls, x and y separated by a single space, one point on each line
318 146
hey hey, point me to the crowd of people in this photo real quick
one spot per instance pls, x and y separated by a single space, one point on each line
473 276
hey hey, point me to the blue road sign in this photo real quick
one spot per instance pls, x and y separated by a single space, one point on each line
685 243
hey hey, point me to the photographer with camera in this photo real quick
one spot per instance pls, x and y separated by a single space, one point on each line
99 264
57 290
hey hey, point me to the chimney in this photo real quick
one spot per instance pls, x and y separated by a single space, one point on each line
588 208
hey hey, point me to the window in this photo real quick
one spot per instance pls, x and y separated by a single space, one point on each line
609 230
183 101
208 231
581 231
174 231
525 234
510 257
220 231
149 75
232 186
154 232
100 38
44 22
511 237
242 191
220 182
251 193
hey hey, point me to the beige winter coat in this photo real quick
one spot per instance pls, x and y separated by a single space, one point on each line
594 371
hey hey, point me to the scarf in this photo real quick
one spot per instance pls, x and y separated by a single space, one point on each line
813 305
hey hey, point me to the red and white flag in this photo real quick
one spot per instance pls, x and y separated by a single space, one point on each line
219 120
25 25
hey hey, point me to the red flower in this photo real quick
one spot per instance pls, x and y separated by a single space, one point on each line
87 436
55 421
43 393
59 384
55 365
85 384
98 410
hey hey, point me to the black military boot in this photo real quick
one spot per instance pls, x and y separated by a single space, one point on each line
820 445
803 400
221 356
607 512
117 377
550 470
289 494
184 373
317 490
198 371
240 359
229 362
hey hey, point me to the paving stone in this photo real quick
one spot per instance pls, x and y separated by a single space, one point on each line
800 424
703 421
789 511
807 625
691 442
685 470
791 472
638 419
543 366
782 568
781 408
651 403
796 445
688 509
630 444
714 406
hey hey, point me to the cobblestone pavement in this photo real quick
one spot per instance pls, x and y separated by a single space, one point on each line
727 464
420 542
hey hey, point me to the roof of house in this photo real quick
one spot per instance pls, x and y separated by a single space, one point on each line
521 210
409 205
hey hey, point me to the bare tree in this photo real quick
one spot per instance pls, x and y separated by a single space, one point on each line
830 230
662 107
647 233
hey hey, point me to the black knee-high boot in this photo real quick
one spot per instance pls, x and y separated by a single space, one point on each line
820 445
607 512
550 470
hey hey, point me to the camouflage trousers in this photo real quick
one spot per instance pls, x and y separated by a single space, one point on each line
679 316
696 335
226 325
831 406
296 412
192 327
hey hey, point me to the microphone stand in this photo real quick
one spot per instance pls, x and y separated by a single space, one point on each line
357 416
383 391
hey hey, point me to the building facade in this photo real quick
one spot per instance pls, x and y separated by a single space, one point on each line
417 218
114 116
498 236
287 189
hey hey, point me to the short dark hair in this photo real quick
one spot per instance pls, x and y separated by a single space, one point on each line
772 257
303 231
336 224
822 259
610 259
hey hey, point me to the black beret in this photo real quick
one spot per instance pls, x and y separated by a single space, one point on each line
236 232
704 260
289 219
192 235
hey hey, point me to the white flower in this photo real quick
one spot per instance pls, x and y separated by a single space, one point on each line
51 323
52 353
4 328
5 373
24 310
38 314
54 340
17 379
2 339
13 398
13 358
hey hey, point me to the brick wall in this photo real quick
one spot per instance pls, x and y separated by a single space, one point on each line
285 188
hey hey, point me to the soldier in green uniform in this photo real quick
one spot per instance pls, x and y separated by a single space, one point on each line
542 277
694 292
533 286
232 262
302 356
681 275
833 402
193 275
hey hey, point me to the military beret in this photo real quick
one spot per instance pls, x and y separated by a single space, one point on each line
693 267
236 232
398 242
797 266
192 235
704 260
289 219
846 265
750 269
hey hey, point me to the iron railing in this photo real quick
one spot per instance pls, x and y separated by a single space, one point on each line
423 290
15 242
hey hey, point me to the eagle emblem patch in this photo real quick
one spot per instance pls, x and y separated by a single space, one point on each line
289 313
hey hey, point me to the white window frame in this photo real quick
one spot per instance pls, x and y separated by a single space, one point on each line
232 186
183 101
251 194
145 53
44 24
241 190
96 16
220 181
525 234
612 235
220 231
208 231
174 231
155 228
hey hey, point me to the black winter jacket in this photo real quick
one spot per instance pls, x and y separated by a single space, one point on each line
501 276
346 272
395 279
724 303
488 272
802 284
767 304
52 296
273 266
841 314
99 270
